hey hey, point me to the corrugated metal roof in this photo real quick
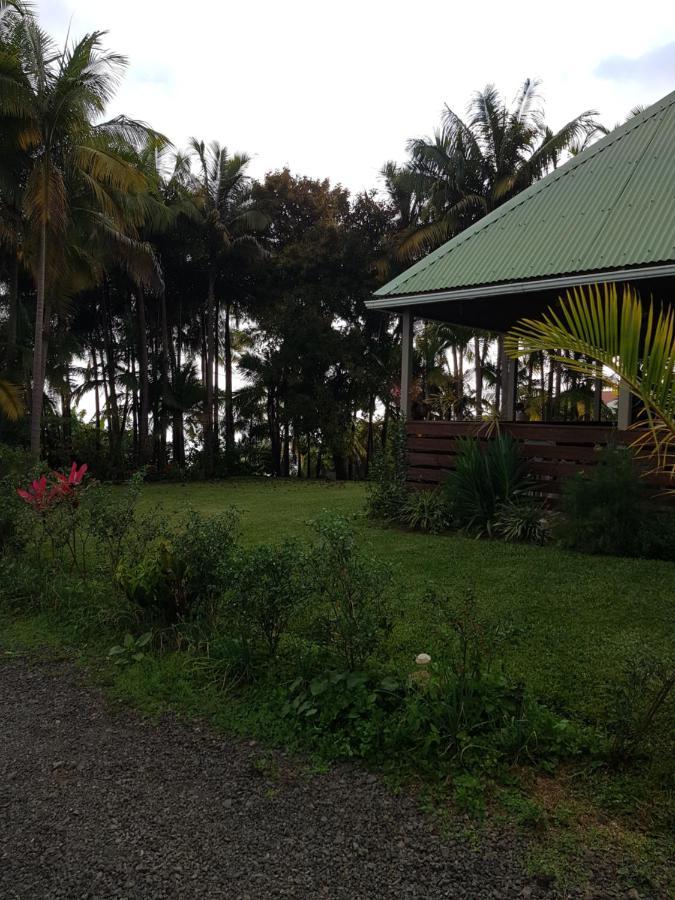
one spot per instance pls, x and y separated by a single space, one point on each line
610 207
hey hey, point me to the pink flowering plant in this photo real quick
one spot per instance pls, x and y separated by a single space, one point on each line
55 500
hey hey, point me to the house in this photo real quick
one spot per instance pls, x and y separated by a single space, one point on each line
606 215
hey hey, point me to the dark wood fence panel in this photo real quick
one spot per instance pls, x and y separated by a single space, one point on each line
553 451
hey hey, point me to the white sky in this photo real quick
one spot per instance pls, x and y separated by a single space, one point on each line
336 88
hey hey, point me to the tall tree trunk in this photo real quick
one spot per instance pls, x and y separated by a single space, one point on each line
210 356
498 382
286 458
164 418
369 438
229 407
144 382
113 411
273 425
13 321
38 363
97 402
216 379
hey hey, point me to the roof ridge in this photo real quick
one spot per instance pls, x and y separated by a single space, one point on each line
536 188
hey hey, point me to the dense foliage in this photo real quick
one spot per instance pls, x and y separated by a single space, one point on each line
159 308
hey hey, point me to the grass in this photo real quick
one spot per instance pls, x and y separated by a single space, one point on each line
576 618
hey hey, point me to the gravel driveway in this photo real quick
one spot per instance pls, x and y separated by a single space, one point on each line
98 803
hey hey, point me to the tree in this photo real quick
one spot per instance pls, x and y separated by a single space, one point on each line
629 338
53 100
223 196
469 167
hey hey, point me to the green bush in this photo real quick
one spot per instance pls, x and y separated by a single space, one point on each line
606 510
347 713
271 583
387 491
426 511
350 586
486 475
182 575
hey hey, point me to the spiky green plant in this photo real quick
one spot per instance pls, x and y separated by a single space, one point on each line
625 336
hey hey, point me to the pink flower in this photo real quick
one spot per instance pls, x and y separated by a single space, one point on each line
36 494
40 497
65 485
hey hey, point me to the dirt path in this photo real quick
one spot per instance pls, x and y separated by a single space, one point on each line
99 803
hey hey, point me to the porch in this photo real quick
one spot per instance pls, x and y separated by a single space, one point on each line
604 216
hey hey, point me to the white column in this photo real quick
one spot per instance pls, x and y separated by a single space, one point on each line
406 362
625 408
509 378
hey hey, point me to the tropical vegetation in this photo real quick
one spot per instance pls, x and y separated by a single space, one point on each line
160 308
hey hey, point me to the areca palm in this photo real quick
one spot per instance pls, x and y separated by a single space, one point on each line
223 195
470 166
53 100
625 336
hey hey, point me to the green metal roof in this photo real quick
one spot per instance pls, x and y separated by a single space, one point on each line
612 207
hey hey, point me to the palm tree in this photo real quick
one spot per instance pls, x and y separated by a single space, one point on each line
469 167
629 338
53 99
11 405
223 195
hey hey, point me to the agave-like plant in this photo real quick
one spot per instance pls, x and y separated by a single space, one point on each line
623 335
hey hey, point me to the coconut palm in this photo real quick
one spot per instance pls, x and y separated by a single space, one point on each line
626 337
53 99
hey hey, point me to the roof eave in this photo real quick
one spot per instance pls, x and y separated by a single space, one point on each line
664 270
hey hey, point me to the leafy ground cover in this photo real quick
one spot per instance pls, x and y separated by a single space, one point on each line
574 621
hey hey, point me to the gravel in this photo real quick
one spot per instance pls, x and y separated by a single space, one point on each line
96 802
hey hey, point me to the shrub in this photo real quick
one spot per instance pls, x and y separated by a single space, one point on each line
426 511
183 573
347 712
522 520
270 585
109 515
604 511
350 585
386 491
485 477
636 701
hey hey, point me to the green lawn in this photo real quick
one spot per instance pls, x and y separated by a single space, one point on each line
576 617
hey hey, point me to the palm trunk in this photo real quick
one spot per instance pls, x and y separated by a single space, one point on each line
229 408
165 375
97 402
216 380
13 321
210 354
498 382
144 400
38 364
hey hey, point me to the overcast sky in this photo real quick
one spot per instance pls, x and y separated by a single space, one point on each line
336 88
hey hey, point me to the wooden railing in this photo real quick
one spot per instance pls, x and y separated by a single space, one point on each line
553 450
